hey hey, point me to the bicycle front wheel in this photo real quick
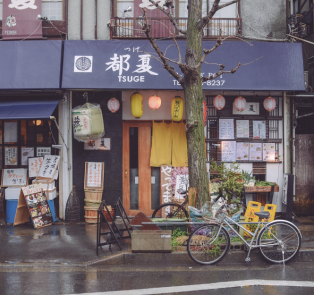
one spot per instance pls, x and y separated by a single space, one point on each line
208 245
280 242
170 210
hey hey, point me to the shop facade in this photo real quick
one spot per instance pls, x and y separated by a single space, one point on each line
120 68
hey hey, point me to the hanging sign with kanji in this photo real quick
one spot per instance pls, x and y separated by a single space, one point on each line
34 165
48 167
94 175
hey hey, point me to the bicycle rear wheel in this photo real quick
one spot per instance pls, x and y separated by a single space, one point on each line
170 210
280 242
208 245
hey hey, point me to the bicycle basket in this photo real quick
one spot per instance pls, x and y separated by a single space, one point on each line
219 209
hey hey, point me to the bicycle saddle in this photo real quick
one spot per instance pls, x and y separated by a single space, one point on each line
262 215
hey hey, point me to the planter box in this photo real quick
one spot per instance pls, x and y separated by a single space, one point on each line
151 241
260 189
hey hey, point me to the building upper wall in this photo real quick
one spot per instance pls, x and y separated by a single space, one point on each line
262 18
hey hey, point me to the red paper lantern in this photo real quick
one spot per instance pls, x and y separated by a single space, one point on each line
204 111
219 102
239 103
113 105
154 102
269 103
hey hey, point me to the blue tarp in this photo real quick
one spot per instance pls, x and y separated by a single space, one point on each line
30 64
122 64
27 109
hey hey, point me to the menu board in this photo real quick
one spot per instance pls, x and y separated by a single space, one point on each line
228 151
243 128
14 177
165 187
243 151
26 153
10 156
42 151
269 152
256 151
37 204
34 165
48 167
94 175
259 129
226 128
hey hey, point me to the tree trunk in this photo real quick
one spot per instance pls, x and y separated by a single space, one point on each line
193 92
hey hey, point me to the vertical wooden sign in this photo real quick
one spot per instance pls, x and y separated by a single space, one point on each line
165 186
94 176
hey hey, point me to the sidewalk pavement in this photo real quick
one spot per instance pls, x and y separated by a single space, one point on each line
64 244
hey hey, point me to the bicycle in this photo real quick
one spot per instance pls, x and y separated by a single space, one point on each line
278 241
173 210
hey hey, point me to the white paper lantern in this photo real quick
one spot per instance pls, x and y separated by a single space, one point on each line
239 103
269 103
113 105
219 102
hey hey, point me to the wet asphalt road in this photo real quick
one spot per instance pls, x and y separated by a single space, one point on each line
76 280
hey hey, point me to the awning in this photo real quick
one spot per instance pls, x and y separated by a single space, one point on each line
27 109
30 64
122 64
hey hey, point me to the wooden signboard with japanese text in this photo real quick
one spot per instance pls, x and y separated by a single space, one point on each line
33 203
14 177
94 176
48 167
34 165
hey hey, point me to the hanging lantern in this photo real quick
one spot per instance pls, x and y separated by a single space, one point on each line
113 105
177 109
154 102
137 105
204 111
219 102
239 103
269 103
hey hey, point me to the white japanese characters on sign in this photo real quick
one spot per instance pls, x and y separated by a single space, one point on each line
149 5
23 4
165 187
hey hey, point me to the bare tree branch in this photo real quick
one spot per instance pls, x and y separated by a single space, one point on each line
221 72
212 12
171 18
170 69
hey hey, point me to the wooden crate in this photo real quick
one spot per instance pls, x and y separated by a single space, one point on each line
260 189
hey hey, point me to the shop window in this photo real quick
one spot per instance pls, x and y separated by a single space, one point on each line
52 9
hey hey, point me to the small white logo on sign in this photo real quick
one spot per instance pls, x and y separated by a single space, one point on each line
83 64
10 21
23 4
165 236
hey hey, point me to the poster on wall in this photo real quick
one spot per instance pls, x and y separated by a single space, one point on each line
94 175
10 156
48 167
243 151
243 128
10 132
256 151
42 151
34 165
100 144
33 199
14 177
269 152
165 187
259 129
182 185
26 153
228 151
226 128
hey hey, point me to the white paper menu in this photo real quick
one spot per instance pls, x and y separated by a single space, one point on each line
256 151
243 151
269 152
243 128
226 128
228 151
259 129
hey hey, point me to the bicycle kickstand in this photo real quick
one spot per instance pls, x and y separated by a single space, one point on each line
248 259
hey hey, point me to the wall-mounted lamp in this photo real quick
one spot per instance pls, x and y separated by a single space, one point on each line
39 17
129 9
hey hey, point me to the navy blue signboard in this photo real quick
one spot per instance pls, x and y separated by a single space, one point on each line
122 64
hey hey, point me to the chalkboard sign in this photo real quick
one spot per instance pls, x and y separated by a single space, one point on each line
48 167
34 165
94 176
14 177
33 201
